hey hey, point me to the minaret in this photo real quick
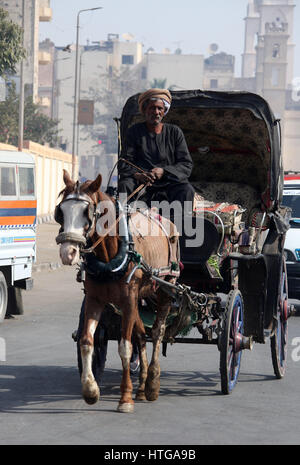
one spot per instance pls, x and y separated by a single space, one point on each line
260 12
276 13
252 21
275 66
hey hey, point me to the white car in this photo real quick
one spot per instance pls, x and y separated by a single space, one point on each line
291 198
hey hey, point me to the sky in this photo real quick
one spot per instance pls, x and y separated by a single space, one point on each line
191 25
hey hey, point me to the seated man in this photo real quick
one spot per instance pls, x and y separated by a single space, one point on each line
160 150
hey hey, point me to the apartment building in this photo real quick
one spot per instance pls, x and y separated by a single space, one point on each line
35 11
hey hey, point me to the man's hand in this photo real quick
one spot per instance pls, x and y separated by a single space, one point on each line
144 178
157 172
150 176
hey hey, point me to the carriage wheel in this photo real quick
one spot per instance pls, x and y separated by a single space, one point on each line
280 336
231 341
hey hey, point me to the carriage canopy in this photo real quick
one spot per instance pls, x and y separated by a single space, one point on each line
232 137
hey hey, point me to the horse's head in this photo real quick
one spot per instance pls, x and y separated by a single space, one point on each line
76 214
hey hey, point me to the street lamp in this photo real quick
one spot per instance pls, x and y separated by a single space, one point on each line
21 101
76 88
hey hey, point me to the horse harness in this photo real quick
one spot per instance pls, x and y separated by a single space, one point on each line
118 266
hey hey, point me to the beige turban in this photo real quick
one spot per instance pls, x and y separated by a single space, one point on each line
162 94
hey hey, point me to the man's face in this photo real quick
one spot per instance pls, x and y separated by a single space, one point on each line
154 112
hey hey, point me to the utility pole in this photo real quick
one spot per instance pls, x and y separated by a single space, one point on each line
75 126
21 102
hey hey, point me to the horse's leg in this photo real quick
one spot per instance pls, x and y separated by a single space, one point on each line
90 389
129 311
158 330
141 339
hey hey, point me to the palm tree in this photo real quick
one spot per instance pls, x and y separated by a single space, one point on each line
158 83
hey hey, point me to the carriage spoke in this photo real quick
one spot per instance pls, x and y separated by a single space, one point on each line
231 342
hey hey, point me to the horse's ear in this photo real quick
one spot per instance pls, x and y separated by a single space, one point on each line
67 178
95 185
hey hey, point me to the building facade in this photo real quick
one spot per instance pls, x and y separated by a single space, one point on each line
35 11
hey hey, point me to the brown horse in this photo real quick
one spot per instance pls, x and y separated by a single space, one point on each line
79 223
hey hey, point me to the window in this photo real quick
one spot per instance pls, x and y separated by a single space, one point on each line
8 181
144 73
214 83
26 177
275 77
291 198
127 59
276 51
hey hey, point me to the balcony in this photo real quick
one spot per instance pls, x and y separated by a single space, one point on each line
45 14
44 58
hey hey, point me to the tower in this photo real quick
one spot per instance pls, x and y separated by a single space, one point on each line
274 66
277 13
260 13
251 29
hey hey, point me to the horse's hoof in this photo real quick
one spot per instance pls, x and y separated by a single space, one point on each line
126 407
91 400
152 395
91 394
140 396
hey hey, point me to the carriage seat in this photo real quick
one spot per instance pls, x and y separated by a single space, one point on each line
244 199
239 207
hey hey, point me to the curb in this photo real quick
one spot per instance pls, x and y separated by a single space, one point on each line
45 267
45 219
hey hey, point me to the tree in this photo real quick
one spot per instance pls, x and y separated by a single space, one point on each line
11 49
37 126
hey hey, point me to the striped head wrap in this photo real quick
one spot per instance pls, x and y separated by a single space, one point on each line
155 94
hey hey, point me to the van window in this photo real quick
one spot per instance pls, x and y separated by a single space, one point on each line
291 198
7 181
26 177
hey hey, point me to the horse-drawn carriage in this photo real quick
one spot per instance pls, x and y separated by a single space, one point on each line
232 285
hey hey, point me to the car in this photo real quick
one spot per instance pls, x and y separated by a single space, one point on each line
291 198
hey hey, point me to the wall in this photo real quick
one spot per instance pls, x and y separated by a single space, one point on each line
49 173
180 71
291 141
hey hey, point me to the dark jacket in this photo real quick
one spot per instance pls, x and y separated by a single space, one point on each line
167 150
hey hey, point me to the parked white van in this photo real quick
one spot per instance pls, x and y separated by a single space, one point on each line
291 198
17 228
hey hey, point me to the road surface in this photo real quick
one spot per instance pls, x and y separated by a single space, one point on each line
40 400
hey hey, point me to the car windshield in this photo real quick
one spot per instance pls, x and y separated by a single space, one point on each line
291 198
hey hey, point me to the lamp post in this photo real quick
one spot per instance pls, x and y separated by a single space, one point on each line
76 88
21 102
79 88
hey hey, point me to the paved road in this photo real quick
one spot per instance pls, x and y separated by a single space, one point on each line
40 401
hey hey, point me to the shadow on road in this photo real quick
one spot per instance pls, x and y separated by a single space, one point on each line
31 386
57 389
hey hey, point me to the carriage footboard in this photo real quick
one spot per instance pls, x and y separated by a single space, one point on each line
252 271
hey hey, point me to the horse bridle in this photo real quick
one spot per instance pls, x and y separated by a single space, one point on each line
92 215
